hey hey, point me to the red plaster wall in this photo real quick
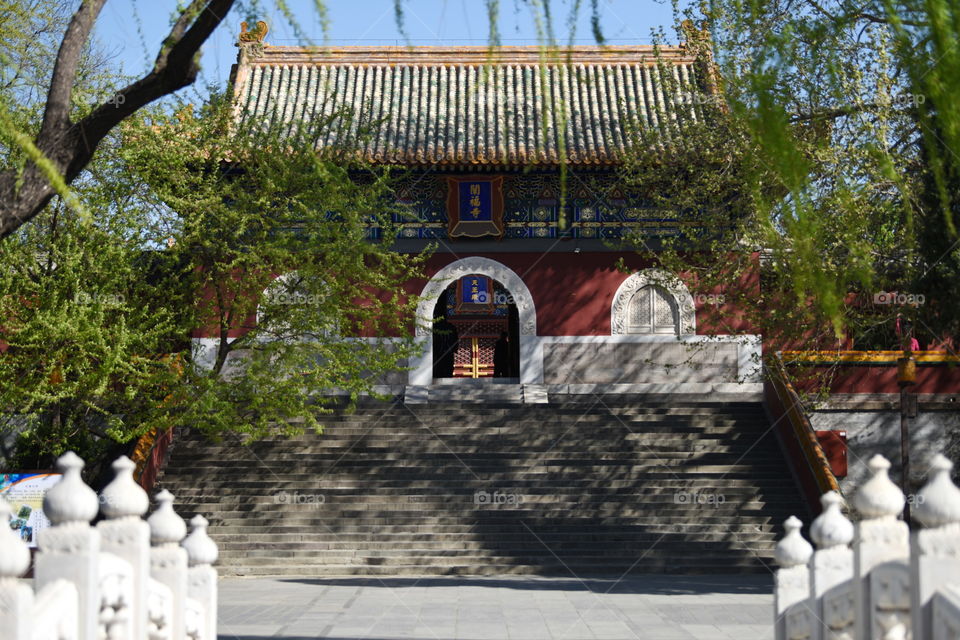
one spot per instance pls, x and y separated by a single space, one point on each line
572 292
882 378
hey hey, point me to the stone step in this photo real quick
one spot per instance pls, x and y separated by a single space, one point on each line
282 504
609 572
443 534
353 542
485 472
330 519
553 481
595 498
668 439
410 457
333 523
253 557
335 530
609 425
627 566
432 559
392 489
586 485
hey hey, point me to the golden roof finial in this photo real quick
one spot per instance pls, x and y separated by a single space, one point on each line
255 35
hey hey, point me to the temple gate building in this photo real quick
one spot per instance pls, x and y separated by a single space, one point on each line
565 415
519 252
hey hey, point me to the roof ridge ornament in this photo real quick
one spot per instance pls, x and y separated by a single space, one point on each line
257 34
250 41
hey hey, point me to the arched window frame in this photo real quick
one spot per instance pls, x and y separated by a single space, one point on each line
620 309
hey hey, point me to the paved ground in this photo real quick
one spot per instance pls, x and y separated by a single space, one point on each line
645 608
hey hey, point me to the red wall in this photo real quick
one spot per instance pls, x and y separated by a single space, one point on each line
572 292
879 378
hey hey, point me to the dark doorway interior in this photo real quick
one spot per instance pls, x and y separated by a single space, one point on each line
468 339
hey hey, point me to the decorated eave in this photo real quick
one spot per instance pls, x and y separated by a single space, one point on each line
473 107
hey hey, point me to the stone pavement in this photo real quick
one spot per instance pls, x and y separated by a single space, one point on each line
529 608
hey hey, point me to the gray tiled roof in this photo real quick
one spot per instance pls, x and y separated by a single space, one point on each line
456 107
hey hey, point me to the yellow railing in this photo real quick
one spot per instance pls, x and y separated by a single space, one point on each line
793 411
868 357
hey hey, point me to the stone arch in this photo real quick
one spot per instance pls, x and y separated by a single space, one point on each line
686 310
531 365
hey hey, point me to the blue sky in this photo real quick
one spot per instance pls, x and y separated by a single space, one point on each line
131 30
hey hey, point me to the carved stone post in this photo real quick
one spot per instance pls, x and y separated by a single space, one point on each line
831 572
881 557
935 550
168 561
792 589
124 534
70 549
202 578
16 597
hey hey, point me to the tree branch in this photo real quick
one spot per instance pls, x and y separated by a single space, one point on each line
841 112
859 14
71 146
56 115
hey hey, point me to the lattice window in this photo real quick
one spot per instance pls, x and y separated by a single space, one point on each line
652 309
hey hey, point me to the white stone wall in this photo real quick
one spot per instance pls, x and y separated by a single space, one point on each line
873 432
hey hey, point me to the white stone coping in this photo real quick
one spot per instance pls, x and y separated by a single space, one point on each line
708 392
750 391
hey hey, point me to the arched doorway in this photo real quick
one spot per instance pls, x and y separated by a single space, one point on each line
478 332
528 355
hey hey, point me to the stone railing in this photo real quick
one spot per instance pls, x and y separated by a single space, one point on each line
874 580
123 579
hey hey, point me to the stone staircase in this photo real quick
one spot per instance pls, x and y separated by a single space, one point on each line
583 485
